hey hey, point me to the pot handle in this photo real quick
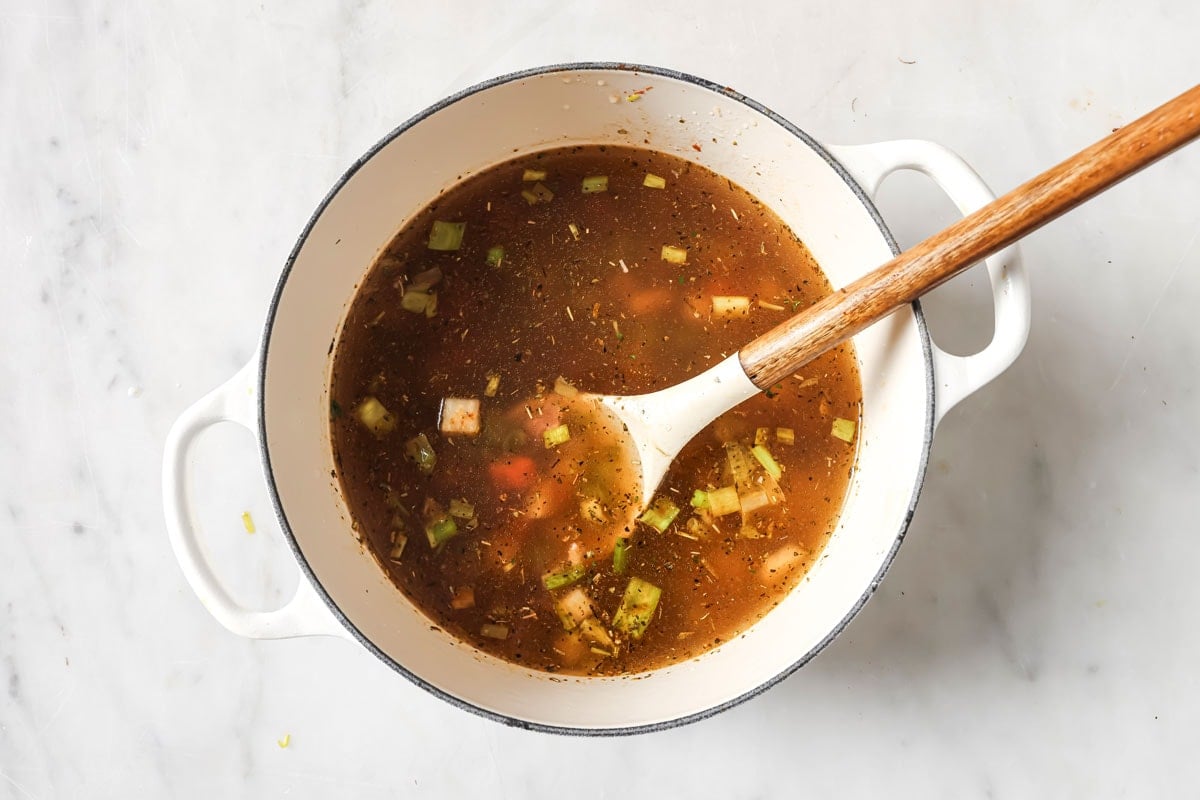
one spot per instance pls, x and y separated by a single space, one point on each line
956 377
305 614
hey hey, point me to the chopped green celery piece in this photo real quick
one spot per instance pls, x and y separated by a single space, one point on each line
379 420
767 460
593 631
419 451
621 556
556 436
723 501
542 193
699 498
532 175
398 547
493 385
741 465
573 608
785 435
446 235
762 435
844 429
563 577
493 630
431 306
674 255
595 183
529 196
495 256
440 530
461 509
637 607
574 229
416 301
653 181
660 514
748 531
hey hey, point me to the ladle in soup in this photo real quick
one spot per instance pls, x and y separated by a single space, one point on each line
662 422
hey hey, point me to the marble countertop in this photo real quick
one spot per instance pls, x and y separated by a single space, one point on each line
1036 635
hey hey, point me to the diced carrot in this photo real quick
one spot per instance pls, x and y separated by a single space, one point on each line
513 472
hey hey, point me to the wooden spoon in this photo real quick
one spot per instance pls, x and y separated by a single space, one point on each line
662 422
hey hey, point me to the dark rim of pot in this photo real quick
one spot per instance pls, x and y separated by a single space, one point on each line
266 344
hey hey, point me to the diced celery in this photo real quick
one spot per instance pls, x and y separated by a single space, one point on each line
741 465
660 514
593 631
748 531
440 530
419 451
446 235
493 385
531 175
723 501
542 193
785 435
555 436
398 547
844 429
761 435
767 460
563 577
595 183
574 229
529 196
637 607
461 509
699 498
674 255
494 631
416 301
621 556
653 181
495 256
573 608
379 420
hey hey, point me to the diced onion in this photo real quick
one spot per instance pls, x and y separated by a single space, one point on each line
460 416
725 306
674 255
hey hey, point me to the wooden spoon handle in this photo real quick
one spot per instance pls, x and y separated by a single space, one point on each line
780 351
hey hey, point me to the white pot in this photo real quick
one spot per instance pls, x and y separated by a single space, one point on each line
822 192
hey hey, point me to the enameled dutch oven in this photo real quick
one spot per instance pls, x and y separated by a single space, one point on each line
823 192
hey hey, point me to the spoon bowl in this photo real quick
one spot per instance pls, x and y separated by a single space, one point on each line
662 422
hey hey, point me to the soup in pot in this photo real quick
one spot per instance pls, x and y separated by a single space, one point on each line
500 499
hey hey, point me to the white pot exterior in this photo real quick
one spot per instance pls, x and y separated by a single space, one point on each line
805 185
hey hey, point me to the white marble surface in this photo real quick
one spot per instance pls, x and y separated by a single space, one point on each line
1036 636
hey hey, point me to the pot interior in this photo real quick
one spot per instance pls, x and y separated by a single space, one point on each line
524 113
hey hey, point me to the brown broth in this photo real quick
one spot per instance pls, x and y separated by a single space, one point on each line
601 308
